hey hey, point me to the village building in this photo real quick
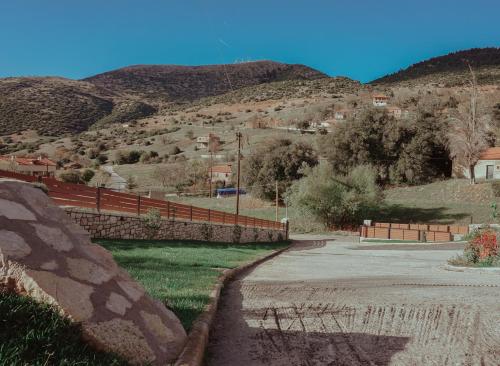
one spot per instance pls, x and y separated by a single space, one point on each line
487 167
341 114
395 112
380 100
39 167
221 173
210 140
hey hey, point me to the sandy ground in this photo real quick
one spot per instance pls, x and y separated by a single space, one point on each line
338 302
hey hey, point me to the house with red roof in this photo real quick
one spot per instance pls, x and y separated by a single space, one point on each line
221 173
380 100
30 166
488 165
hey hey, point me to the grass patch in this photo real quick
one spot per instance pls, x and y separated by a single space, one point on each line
182 274
35 334
449 202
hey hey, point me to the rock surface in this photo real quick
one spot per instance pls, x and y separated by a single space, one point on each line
44 255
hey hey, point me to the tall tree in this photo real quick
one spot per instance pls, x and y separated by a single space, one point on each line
276 160
470 131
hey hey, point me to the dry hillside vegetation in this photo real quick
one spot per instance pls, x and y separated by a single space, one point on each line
450 70
181 83
52 106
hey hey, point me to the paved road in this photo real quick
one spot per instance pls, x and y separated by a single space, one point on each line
338 302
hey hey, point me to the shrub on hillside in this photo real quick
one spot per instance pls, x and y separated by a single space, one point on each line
87 175
127 157
71 176
336 201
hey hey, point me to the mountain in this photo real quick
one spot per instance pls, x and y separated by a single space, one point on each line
450 70
50 105
54 106
188 83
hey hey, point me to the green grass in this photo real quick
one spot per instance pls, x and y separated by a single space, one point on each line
452 201
35 334
182 274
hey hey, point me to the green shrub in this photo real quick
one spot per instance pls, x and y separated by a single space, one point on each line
336 201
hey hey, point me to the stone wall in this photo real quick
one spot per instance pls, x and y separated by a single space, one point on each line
121 226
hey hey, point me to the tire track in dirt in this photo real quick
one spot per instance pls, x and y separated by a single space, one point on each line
431 319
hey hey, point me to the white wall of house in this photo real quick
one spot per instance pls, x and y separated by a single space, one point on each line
481 168
380 102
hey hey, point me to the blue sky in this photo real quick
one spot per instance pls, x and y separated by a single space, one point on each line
362 39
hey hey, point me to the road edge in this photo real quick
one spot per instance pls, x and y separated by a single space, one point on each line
194 349
452 268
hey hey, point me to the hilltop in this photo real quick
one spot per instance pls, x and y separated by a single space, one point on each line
50 105
186 83
449 70
54 106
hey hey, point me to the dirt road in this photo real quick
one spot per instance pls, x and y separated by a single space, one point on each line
338 302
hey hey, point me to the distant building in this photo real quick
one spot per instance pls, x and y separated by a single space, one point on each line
487 168
380 100
31 166
221 173
342 114
206 142
395 112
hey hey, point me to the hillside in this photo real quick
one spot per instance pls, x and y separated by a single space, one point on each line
55 106
186 83
450 70
50 105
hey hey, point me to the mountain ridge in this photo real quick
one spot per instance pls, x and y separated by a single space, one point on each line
454 65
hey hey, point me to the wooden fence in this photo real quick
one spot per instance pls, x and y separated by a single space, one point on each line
80 195
414 232
453 229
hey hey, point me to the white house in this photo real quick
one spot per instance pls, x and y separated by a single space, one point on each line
342 114
380 100
488 166
207 142
221 173
395 112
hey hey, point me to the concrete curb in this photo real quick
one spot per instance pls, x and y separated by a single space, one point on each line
194 350
489 270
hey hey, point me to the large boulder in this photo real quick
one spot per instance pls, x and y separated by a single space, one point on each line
47 257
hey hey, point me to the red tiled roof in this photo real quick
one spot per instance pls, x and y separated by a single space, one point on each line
380 96
222 169
29 161
493 153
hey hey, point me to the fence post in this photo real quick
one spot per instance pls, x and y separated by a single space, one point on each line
98 199
139 205
191 213
287 228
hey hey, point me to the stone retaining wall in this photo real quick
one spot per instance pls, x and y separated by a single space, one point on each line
120 226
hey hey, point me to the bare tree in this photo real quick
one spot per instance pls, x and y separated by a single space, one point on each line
469 131
172 175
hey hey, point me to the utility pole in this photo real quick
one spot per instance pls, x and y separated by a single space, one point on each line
238 135
277 200
211 169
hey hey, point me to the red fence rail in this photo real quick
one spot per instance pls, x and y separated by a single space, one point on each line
80 195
